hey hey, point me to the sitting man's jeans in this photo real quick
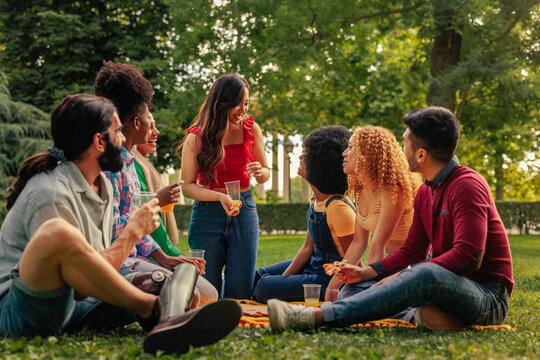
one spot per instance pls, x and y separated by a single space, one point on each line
352 289
474 302
28 311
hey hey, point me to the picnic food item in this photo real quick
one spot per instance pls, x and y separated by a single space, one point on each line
333 268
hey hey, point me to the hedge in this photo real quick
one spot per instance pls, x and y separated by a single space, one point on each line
520 215
282 218
516 215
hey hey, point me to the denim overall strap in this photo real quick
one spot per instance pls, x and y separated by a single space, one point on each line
344 199
324 250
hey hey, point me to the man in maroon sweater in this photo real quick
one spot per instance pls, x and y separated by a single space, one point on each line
468 279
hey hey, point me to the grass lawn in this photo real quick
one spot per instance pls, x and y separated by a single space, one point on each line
355 343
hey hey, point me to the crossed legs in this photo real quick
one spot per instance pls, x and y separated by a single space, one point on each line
58 255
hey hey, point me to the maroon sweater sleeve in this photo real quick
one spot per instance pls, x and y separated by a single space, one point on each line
415 248
469 206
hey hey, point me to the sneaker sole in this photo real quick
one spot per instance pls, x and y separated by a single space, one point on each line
211 324
273 316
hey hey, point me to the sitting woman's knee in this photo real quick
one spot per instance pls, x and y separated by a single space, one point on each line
260 292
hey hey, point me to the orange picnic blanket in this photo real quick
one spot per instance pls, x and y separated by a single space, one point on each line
255 315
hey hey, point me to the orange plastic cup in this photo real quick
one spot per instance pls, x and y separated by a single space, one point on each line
168 208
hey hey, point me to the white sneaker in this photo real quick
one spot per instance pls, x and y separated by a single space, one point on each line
285 316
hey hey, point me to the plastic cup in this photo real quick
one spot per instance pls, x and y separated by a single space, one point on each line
168 208
142 198
233 190
198 253
312 293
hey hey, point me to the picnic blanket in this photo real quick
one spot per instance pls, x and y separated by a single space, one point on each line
255 315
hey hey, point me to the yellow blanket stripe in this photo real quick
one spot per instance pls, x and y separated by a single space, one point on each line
255 315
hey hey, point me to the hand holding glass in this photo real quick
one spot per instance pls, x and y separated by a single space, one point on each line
171 194
233 190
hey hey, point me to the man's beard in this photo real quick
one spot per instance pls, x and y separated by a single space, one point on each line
111 159
413 165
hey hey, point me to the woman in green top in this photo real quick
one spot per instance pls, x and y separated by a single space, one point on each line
166 235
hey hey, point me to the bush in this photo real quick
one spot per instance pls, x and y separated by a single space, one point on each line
284 218
520 215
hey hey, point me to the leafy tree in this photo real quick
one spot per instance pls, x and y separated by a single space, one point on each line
316 62
54 48
24 131
309 63
498 89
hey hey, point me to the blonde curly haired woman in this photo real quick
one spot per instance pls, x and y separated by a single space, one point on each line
384 191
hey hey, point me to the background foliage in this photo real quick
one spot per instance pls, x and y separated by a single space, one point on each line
24 130
309 63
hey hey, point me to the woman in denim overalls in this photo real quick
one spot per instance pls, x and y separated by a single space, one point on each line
321 166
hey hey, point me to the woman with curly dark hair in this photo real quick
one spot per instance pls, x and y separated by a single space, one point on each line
330 221
223 145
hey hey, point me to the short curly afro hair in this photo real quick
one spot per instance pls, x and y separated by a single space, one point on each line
323 158
126 87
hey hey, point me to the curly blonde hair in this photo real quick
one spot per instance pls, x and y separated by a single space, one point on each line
381 165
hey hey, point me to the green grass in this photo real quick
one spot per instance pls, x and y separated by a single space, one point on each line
524 314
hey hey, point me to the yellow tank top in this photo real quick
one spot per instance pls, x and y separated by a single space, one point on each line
369 223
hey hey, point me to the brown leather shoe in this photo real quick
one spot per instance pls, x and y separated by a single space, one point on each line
430 317
198 327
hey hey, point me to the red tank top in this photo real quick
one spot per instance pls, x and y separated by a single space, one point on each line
237 156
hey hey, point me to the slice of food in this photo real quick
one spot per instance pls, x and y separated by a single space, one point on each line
333 268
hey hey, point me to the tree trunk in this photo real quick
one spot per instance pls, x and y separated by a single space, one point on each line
286 177
444 56
499 181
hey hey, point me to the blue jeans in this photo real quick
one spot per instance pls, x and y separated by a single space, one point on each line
270 283
352 289
229 241
28 311
474 302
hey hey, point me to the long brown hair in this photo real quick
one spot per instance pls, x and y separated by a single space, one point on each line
226 93
73 125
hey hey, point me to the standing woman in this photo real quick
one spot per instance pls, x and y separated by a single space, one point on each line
224 145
